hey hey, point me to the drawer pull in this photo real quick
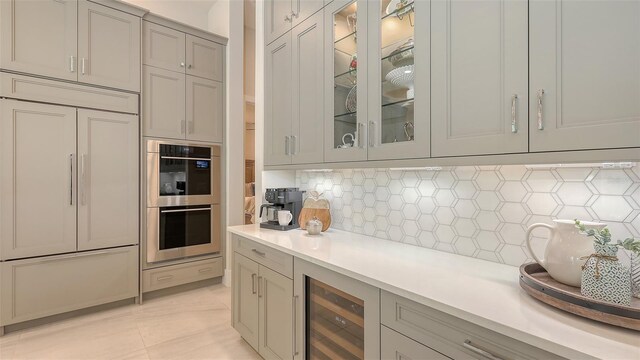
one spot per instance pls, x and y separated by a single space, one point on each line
205 270
259 253
469 346
164 278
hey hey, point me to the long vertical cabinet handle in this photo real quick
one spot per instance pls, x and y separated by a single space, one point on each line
71 179
540 122
286 145
295 325
514 114
72 63
83 179
359 144
259 286
82 65
253 283
372 129
294 145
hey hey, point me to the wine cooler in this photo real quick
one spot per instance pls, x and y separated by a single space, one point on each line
339 318
335 323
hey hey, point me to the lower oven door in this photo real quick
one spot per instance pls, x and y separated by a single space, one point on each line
182 231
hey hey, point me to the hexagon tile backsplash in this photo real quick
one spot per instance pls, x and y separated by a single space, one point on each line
480 211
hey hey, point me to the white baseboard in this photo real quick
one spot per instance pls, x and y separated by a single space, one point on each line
226 278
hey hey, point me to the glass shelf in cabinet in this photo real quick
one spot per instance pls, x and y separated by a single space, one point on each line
401 11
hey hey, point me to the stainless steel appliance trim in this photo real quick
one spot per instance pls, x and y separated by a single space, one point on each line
153 177
153 145
184 210
155 255
184 158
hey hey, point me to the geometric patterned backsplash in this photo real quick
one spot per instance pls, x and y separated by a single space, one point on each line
477 211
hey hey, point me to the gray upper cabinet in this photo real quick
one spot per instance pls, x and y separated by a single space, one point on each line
346 134
277 19
303 9
204 58
163 47
282 15
163 103
479 77
107 179
38 186
399 84
39 37
183 76
73 40
108 47
308 91
585 74
278 117
204 109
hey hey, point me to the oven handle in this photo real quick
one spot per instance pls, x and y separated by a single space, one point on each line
184 158
184 210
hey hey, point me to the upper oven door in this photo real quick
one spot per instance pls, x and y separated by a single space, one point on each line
182 174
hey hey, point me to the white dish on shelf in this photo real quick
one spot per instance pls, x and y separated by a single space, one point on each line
403 77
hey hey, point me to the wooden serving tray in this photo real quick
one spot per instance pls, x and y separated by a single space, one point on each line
535 280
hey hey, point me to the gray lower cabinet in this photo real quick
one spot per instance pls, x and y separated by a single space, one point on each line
447 335
39 287
262 305
395 346
169 276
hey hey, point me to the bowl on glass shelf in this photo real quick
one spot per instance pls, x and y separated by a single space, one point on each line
403 55
403 77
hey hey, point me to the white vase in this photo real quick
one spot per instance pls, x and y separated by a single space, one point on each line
565 247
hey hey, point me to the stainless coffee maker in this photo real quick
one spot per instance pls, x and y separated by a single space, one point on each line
281 199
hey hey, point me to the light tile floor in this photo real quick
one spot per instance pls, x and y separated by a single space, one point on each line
194 324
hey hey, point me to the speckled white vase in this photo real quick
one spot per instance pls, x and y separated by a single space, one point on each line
605 279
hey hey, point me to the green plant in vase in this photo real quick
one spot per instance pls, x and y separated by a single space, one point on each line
604 277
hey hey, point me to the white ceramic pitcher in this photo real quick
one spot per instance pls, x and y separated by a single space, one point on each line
565 247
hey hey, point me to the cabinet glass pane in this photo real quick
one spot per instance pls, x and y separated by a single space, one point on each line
335 323
397 75
345 71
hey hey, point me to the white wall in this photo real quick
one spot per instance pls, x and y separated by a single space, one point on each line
191 12
219 20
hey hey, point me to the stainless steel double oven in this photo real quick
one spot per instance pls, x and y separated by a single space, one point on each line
183 200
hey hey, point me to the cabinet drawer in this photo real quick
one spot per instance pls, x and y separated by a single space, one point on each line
40 287
395 346
451 336
160 278
36 89
273 259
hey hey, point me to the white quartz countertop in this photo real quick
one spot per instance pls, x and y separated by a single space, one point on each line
485 293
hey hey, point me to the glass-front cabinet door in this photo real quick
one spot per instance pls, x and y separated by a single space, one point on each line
345 81
399 89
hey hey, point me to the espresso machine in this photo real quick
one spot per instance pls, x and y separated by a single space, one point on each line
281 199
